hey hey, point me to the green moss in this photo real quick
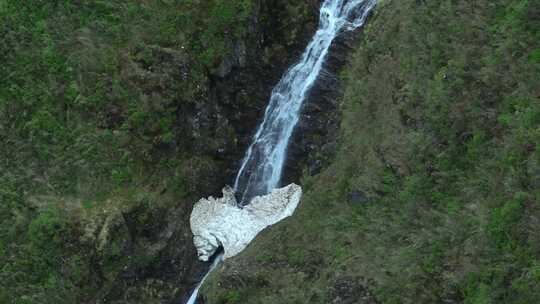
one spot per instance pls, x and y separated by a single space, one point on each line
231 297
534 56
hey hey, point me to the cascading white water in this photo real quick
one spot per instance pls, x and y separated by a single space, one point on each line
193 297
263 163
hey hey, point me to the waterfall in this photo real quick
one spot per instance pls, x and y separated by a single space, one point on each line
193 297
263 163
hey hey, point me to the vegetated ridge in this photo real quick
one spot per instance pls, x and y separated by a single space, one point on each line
434 193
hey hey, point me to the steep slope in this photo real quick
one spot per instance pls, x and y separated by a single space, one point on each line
434 193
115 116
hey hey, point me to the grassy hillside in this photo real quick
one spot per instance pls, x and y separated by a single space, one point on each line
110 128
89 103
83 92
434 194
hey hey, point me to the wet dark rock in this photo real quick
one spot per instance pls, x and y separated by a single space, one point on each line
148 249
157 259
315 167
236 59
144 252
314 140
357 197
350 291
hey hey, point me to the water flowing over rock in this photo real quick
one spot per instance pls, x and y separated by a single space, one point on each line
263 163
222 222
231 224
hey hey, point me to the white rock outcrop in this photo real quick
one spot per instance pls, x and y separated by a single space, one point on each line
221 222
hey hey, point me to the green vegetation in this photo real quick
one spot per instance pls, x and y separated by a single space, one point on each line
441 135
101 157
113 121
85 84
93 104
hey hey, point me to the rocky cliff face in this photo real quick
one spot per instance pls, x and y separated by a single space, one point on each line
239 87
139 116
146 251
234 96
432 196
314 140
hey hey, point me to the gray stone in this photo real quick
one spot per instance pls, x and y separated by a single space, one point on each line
357 197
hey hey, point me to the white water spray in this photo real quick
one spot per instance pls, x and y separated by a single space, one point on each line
263 163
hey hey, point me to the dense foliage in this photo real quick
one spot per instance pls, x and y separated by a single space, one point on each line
432 197
91 103
434 194
115 116
77 102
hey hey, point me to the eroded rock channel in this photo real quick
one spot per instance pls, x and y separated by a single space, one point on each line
230 224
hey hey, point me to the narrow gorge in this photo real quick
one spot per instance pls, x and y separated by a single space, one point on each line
215 222
270 151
